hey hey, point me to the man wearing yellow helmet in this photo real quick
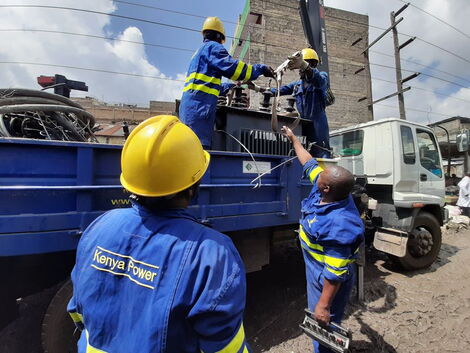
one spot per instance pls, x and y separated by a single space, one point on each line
151 278
310 96
203 82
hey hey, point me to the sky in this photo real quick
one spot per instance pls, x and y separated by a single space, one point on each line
159 71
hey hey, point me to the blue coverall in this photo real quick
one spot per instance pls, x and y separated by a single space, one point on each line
157 282
203 85
310 98
330 235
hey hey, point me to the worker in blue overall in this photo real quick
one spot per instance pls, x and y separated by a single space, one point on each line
310 97
331 232
203 83
151 278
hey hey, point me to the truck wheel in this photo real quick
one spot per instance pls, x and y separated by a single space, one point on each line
424 243
58 329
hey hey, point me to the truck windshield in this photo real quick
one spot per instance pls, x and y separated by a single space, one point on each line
428 152
348 144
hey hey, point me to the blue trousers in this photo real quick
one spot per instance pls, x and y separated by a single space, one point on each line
314 290
321 135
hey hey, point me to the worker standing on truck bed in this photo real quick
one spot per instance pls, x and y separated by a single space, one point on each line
331 231
203 82
310 93
151 278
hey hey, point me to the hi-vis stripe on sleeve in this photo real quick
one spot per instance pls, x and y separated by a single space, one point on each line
329 260
249 70
338 273
311 245
235 344
202 88
314 172
205 78
238 71
76 317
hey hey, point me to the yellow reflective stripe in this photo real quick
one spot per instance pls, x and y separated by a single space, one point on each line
202 88
304 237
313 174
249 70
329 260
336 272
236 343
238 71
76 317
245 350
205 78
89 347
337 262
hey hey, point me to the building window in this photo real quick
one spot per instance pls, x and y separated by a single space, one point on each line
258 17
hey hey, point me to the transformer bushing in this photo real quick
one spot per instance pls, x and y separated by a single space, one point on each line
290 109
265 103
240 98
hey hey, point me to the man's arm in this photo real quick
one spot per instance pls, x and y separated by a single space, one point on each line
220 290
322 309
237 70
302 154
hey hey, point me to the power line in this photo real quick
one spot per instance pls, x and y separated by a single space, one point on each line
422 89
447 51
412 109
168 10
437 18
133 19
437 78
406 35
95 36
88 69
416 63
196 30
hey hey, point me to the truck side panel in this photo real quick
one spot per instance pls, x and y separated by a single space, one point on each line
51 191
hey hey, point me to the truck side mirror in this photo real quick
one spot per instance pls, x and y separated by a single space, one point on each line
462 140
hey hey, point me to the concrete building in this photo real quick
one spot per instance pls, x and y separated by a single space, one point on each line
110 117
278 24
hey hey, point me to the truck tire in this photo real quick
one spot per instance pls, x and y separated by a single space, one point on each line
58 329
424 243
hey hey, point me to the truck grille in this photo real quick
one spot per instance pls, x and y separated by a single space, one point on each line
267 142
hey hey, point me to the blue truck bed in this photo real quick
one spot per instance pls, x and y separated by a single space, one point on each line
51 190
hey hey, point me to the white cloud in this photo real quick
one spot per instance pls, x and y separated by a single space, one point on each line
417 23
82 52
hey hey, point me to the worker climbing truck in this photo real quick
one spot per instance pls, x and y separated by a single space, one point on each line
50 191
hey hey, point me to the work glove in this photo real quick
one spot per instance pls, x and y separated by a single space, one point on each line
253 86
269 72
297 62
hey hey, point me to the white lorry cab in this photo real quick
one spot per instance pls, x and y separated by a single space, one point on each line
398 165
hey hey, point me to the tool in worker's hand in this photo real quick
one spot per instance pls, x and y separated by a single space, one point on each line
334 337
279 72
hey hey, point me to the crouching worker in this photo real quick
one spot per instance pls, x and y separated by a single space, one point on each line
331 231
151 278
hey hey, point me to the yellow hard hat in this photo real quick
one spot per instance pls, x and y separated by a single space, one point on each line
213 24
162 156
309 54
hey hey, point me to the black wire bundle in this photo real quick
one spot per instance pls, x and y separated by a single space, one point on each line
36 114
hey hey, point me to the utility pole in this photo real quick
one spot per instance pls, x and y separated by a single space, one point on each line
397 47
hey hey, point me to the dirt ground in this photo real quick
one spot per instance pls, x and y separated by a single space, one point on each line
423 311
